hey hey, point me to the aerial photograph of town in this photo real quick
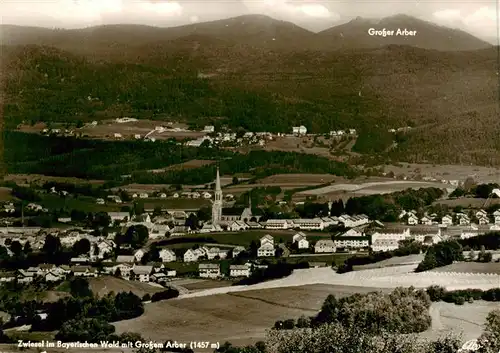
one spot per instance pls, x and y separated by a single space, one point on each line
249 176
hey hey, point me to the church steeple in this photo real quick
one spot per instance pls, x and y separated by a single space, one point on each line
217 204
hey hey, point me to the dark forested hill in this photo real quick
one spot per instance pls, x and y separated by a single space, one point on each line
354 34
451 98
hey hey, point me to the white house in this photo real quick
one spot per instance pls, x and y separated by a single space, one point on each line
324 246
426 221
299 130
266 250
216 252
349 242
142 273
191 255
483 220
301 240
447 220
125 259
105 247
139 254
481 213
239 271
167 255
464 220
237 226
387 244
209 270
412 219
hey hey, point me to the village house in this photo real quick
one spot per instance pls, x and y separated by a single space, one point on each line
299 130
353 221
239 271
387 244
105 247
300 239
6 277
192 255
481 213
167 255
237 226
397 236
24 276
214 253
426 221
53 277
324 246
209 270
138 255
464 220
412 219
351 242
496 216
141 273
483 220
84 271
447 220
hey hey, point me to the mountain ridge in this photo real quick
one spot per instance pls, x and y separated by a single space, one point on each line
258 31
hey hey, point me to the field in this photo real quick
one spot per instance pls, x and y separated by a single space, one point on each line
371 188
192 164
467 202
107 129
179 203
41 179
106 284
471 267
301 179
5 194
243 317
201 284
393 261
447 172
83 203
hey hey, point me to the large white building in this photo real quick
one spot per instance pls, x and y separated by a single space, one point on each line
266 248
324 246
209 270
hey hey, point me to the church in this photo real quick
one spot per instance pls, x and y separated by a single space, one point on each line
221 214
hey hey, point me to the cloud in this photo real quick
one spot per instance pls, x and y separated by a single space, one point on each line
78 13
482 21
290 11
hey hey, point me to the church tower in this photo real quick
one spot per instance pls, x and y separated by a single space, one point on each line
217 204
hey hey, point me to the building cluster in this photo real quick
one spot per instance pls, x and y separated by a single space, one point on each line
480 217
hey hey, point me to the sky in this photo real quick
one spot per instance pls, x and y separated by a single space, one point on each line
475 16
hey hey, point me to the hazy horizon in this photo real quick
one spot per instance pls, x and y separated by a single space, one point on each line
479 18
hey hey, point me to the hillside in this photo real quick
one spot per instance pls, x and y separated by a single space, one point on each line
451 98
354 35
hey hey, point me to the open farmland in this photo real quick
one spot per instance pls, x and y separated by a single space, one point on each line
25 179
302 179
447 172
192 164
107 129
101 286
370 188
467 202
471 267
219 317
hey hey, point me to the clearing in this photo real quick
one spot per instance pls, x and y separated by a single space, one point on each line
371 188
39 179
106 284
242 318
192 164
5 194
447 172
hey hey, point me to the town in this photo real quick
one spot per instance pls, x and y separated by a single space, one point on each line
131 245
